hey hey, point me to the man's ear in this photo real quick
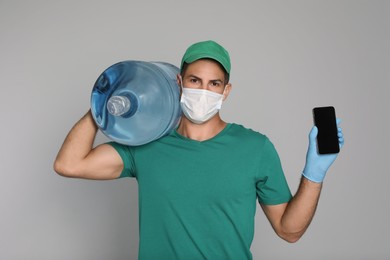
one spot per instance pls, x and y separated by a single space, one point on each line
179 82
179 79
227 90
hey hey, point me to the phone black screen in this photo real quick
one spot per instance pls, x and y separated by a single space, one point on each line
327 139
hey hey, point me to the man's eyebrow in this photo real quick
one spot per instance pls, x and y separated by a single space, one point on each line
194 76
216 80
212 80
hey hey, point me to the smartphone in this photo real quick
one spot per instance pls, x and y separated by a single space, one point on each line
327 139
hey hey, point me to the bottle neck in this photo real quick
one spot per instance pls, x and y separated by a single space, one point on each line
118 105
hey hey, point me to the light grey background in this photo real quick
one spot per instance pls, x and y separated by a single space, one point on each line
287 57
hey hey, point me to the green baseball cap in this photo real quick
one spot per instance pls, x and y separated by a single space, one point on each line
207 49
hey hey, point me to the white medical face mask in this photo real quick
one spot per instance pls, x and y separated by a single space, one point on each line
199 105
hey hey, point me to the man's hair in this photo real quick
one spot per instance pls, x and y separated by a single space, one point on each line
226 75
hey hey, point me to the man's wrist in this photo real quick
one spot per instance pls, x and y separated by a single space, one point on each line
314 178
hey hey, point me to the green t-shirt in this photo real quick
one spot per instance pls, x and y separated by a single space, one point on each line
197 200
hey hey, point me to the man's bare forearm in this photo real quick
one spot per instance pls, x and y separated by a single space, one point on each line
301 209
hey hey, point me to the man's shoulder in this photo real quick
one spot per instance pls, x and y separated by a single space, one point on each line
246 134
238 128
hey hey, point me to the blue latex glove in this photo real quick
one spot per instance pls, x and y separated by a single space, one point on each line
318 164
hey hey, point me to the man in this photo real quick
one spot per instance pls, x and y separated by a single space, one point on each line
198 186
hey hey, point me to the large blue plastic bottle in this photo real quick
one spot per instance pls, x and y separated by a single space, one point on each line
136 102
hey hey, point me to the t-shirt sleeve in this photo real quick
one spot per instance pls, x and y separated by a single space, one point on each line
127 156
272 187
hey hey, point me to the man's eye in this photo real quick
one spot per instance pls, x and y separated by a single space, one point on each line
193 80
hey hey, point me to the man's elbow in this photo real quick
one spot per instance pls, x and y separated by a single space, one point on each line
291 237
64 169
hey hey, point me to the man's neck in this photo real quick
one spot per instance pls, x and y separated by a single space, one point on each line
201 132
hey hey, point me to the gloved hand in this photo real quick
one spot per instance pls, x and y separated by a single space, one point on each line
318 164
